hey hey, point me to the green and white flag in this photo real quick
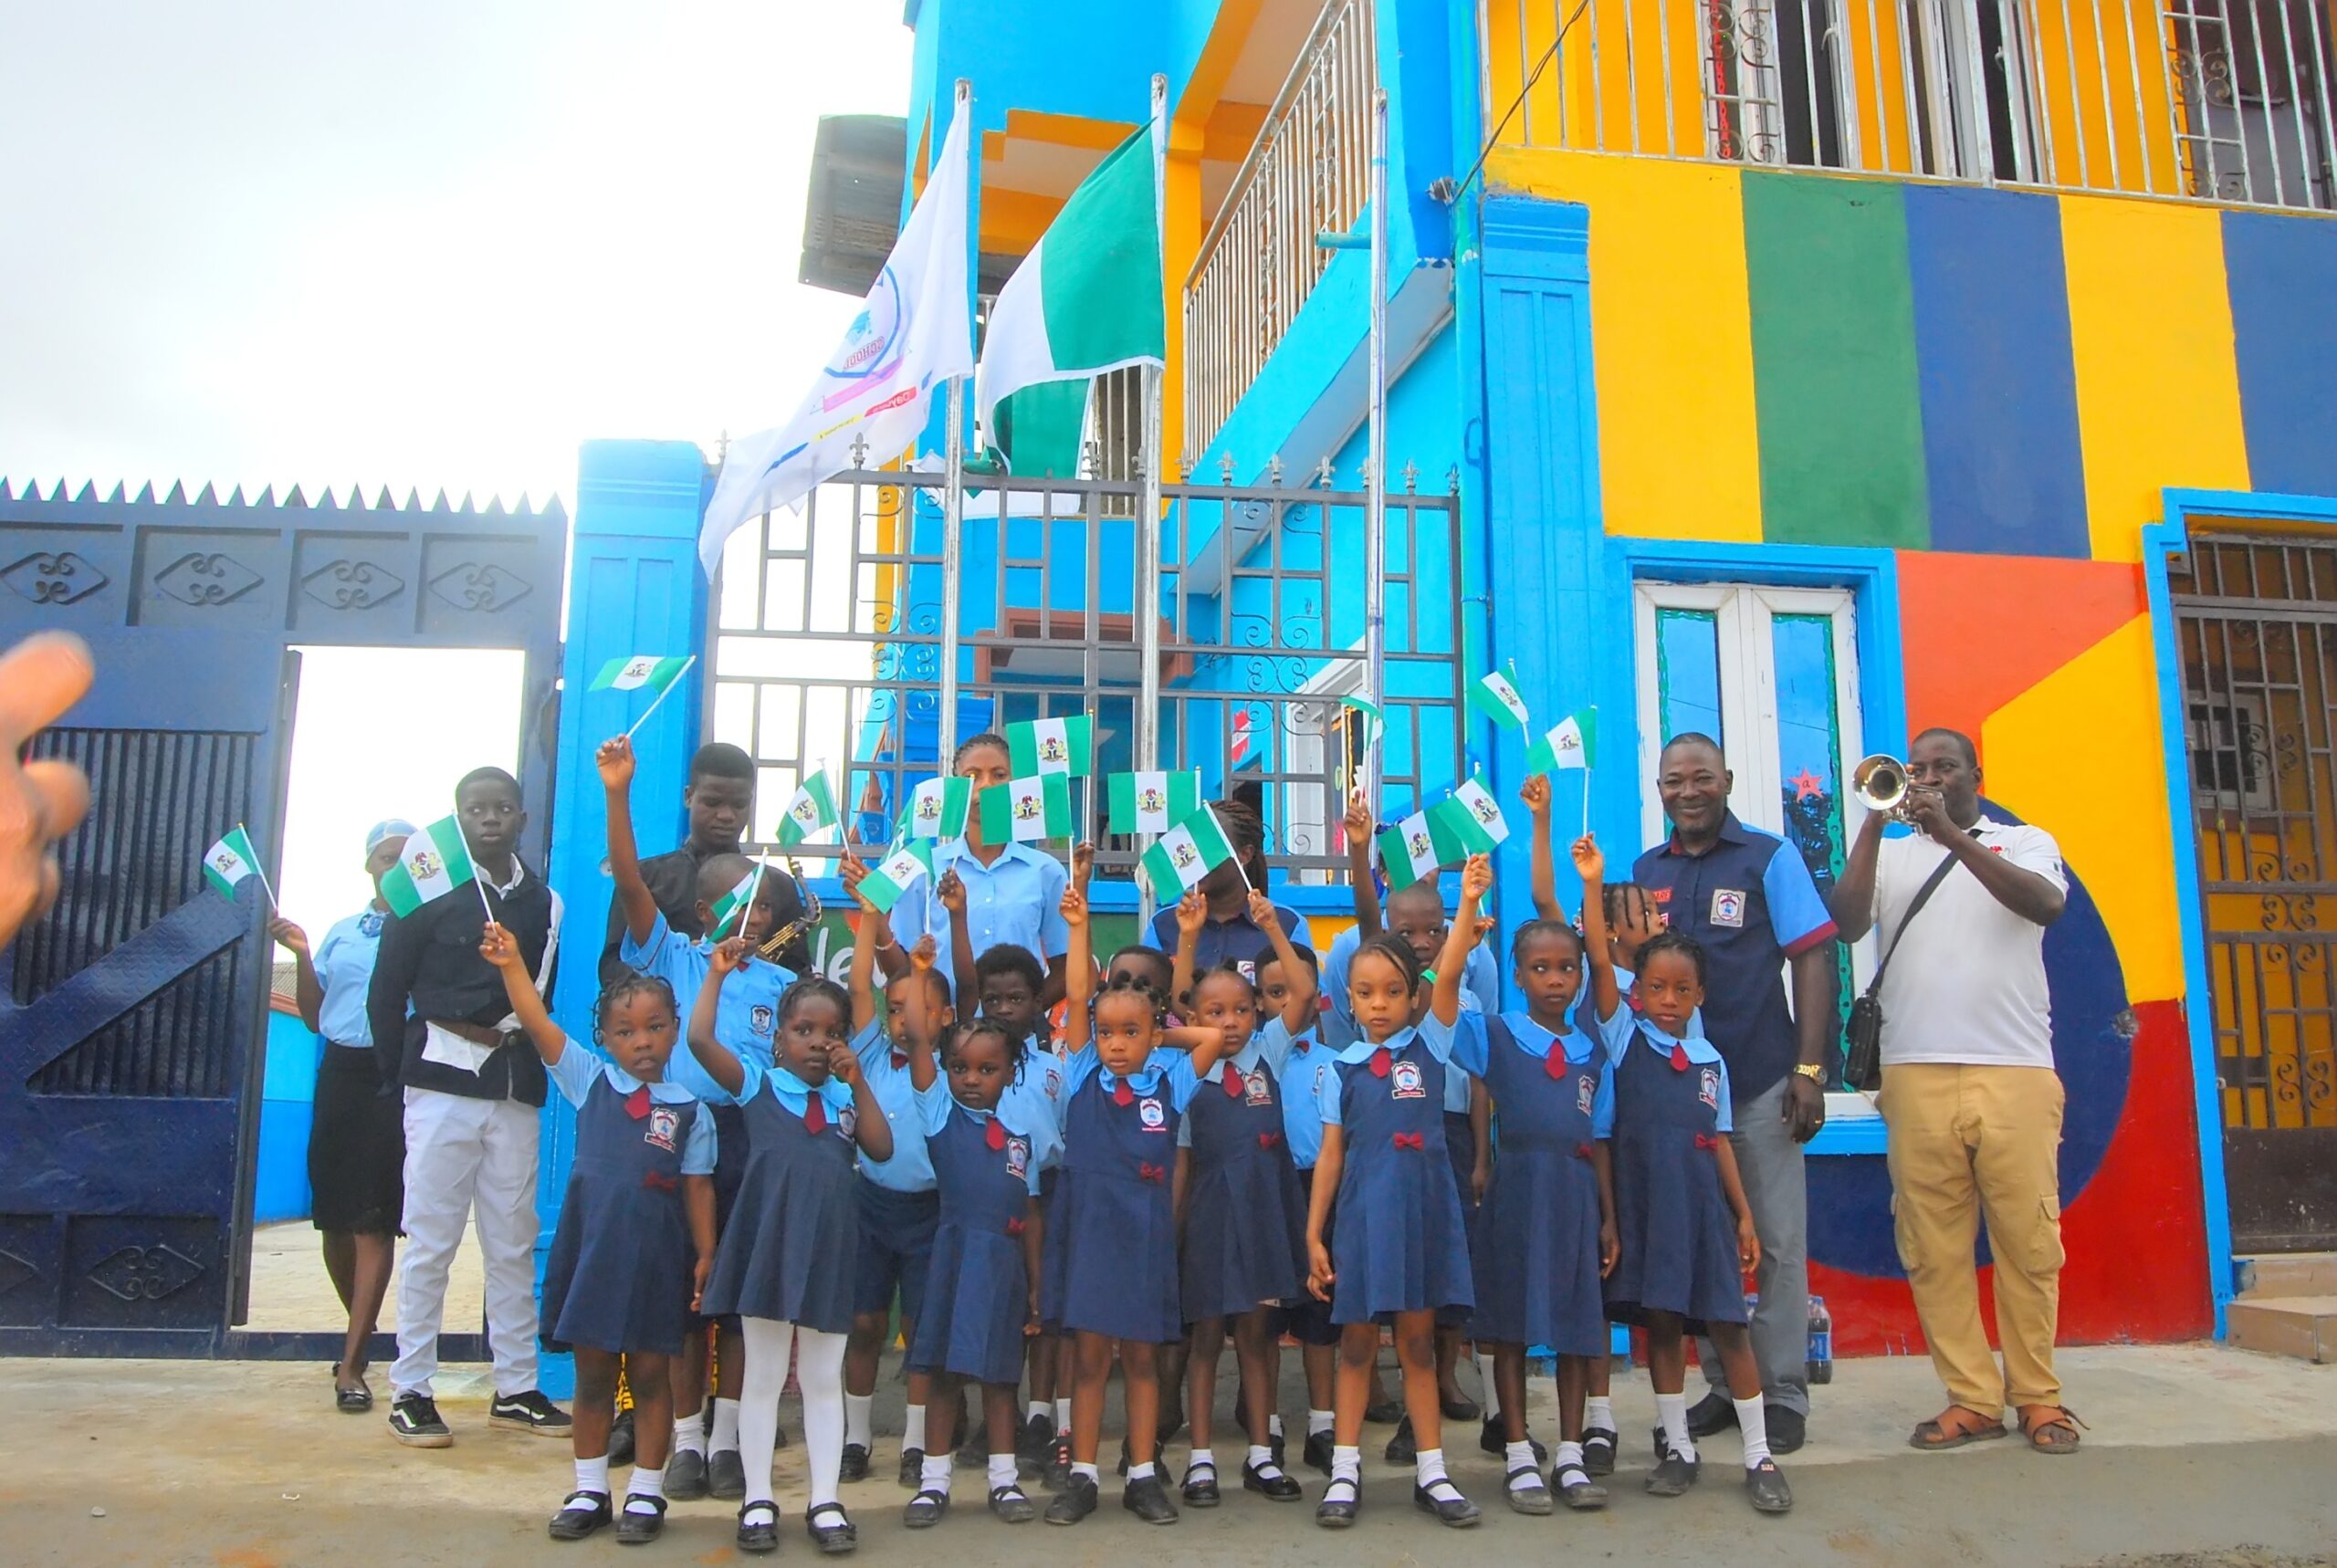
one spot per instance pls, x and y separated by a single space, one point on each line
812 809
1152 802
1087 298
641 672
734 904
1494 695
230 861
1572 743
889 881
937 809
1026 810
1186 852
436 862
1065 745
1414 848
1475 817
1367 714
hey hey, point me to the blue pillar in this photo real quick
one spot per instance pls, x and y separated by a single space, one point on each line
633 587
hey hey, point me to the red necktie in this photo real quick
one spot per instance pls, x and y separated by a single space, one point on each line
1380 1062
1678 1057
1233 1082
1122 1094
816 1118
636 1104
1557 1061
1410 1141
994 1136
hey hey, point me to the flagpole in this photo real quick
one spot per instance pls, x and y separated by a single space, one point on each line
1147 520
660 697
260 871
1375 522
953 526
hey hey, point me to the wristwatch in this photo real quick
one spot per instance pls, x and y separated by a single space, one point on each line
1814 1071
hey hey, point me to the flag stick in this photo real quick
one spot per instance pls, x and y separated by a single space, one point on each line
1585 803
260 871
479 883
661 696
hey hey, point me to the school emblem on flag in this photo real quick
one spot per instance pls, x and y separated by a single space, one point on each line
1496 697
812 809
436 862
1151 802
938 808
1416 848
1064 745
1191 849
1573 742
1028 809
641 672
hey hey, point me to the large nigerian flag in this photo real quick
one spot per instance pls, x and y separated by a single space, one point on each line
914 331
1087 297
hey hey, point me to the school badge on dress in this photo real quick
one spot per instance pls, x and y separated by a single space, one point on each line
665 1123
1257 1090
1709 1090
1153 1114
1585 1092
1404 1079
846 1120
1728 907
1018 1158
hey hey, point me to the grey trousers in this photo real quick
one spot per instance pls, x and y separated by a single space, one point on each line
1769 1162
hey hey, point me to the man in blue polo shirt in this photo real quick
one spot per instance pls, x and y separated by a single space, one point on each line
1747 897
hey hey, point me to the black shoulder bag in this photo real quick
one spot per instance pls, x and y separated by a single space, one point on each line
1863 1070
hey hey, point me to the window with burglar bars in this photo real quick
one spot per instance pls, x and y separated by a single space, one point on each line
827 644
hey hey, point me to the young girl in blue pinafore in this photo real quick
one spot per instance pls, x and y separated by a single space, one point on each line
1108 1273
1546 1232
640 1203
787 1263
1686 1230
1401 1253
1245 1213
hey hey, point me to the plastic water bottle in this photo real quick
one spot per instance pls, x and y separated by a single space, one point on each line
1821 1342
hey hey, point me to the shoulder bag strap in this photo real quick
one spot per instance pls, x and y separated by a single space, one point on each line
1922 896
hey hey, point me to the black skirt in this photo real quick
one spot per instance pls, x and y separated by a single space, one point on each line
356 1148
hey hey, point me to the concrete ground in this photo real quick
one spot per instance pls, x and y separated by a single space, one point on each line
2196 1456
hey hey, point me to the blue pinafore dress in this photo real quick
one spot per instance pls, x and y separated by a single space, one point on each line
1679 1234
1110 1260
1402 1245
791 1252
1537 1242
618 1277
978 1291
1245 1212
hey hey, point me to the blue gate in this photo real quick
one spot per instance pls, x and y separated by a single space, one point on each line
132 1027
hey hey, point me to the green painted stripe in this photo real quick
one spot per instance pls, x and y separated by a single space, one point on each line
1839 409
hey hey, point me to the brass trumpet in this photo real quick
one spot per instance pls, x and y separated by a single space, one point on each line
810 900
1880 782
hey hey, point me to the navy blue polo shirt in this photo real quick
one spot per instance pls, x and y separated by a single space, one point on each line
1240 940
1749 900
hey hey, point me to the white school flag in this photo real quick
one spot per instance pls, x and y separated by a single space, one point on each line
914 331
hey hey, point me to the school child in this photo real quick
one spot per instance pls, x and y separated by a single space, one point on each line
899 1204
636 1228
706 1464
986 1254
1686 1230
1305 1318
1245 1217
1546 1234
1403 1253
1108 1274
786 1265
1230 936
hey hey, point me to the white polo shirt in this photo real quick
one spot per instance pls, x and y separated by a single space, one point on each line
1967 985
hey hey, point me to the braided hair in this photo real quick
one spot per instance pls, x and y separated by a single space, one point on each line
813 987
1396 951
1535 929
957 1036
626 985
1678 941
1128 984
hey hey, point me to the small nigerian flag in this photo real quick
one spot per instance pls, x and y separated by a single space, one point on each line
1186 852
1373 721
812 809
1028 809
734 904
938 809
1573 743
1475 817
436 863
1151 802
1494 695
1065 745
1416 847
889 881
641 672
230 861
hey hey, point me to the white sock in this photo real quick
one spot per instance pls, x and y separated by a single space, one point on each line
1038 1407
1199 1456
1519 1458
1492 1401
1261 1461
1599 1411
1753 1421
689 1437
1346 1465
1139 1472
723 1438
1569 1454
1063 1410
1001 1470
592 1474
1671 1410
1319 1421
934 1476
859 1419
1274 1425
1428 1470
1090 1472
644 1485
913 1428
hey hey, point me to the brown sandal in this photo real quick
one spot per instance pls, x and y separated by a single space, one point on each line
2050 1428
1953 1428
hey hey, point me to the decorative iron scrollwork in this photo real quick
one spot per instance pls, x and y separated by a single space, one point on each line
352 585
58 578
145 1273
205 581
481 586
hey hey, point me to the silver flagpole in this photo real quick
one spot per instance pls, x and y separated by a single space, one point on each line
1147 515
1375 522
953 527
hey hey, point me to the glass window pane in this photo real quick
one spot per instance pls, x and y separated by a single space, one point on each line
1809 753
1687 672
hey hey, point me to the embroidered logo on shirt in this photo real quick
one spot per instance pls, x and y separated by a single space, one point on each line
664 1124
1709 1090
759 1021
1404 1079
1728 907
1153 1114
1585 1092
1018 1158
1261 1092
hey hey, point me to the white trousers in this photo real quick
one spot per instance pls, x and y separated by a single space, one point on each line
461 1155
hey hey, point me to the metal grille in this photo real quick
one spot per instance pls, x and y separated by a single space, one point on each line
159 799
827 642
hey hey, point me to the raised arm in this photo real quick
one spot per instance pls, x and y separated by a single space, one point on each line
951 891
720 1062
614 761
1078 971
1192 913
1592 866
923 1058
497 948
865 1006
1476 881
1851 901
307 991
1537 796
1358 825
1298 980
889 955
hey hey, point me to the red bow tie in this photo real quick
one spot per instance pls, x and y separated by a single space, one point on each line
815 1116
1708 1140
900 1059
1678 1057
1582 1151
1381 1062
1268 1140
658 1181
1233 1083
1014 1228
1122 1094
1557 1061
636 1104
1152 1173
994 1134
1410 1141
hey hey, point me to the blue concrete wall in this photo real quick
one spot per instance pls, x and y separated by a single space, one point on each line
287 1110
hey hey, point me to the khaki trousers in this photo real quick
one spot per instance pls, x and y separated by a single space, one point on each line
1967 1143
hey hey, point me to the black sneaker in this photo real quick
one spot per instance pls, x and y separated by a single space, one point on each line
856 1463
1714 1412
1789 1428
1075 1503
1316 1455
1401 1450
414 1421
1149 1499
583 1513
1058 1474
529 1411
1598 1450
726 1475
621 1439
912 1468
1033 1444
1672 1477
686 1476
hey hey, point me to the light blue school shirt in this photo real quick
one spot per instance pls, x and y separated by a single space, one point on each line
911 1167
344 966
1016 900
1034 1102
746 1015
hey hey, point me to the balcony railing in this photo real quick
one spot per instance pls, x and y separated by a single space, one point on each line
1307 173
2211 101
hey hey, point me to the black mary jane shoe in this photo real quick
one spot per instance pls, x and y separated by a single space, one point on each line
1672 1477
855 1466
1598 1450
1075 1501
1401 1448
1455 1510
1149 1499
1279 1487
1013 1504
1494 1438
1765 1484
1337 1512
583 1513
1316 1453
1576 1489
1533 1497
835 1539
761 1538
1201 1487
925 1509
638 1527
912 1468
621 1439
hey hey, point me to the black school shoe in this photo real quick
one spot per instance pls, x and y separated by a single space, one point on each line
1074 1503
1455 1510
836 1537
1033 1445
1316 1455
1013 1504
1714 1412
855 1466
912 1468
1578 1491
1672 1477
1765 1484
973 1454
762 1535
621 1438
1401 1450
1494 1438
638 1527
529 1411
583 1513
1279 1487
1387 1413
416 1422
1342 1501
1058 1474
686 1476
1598 1450
925 1509
726 1475
1201 1487
1149 1499
1789 1428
